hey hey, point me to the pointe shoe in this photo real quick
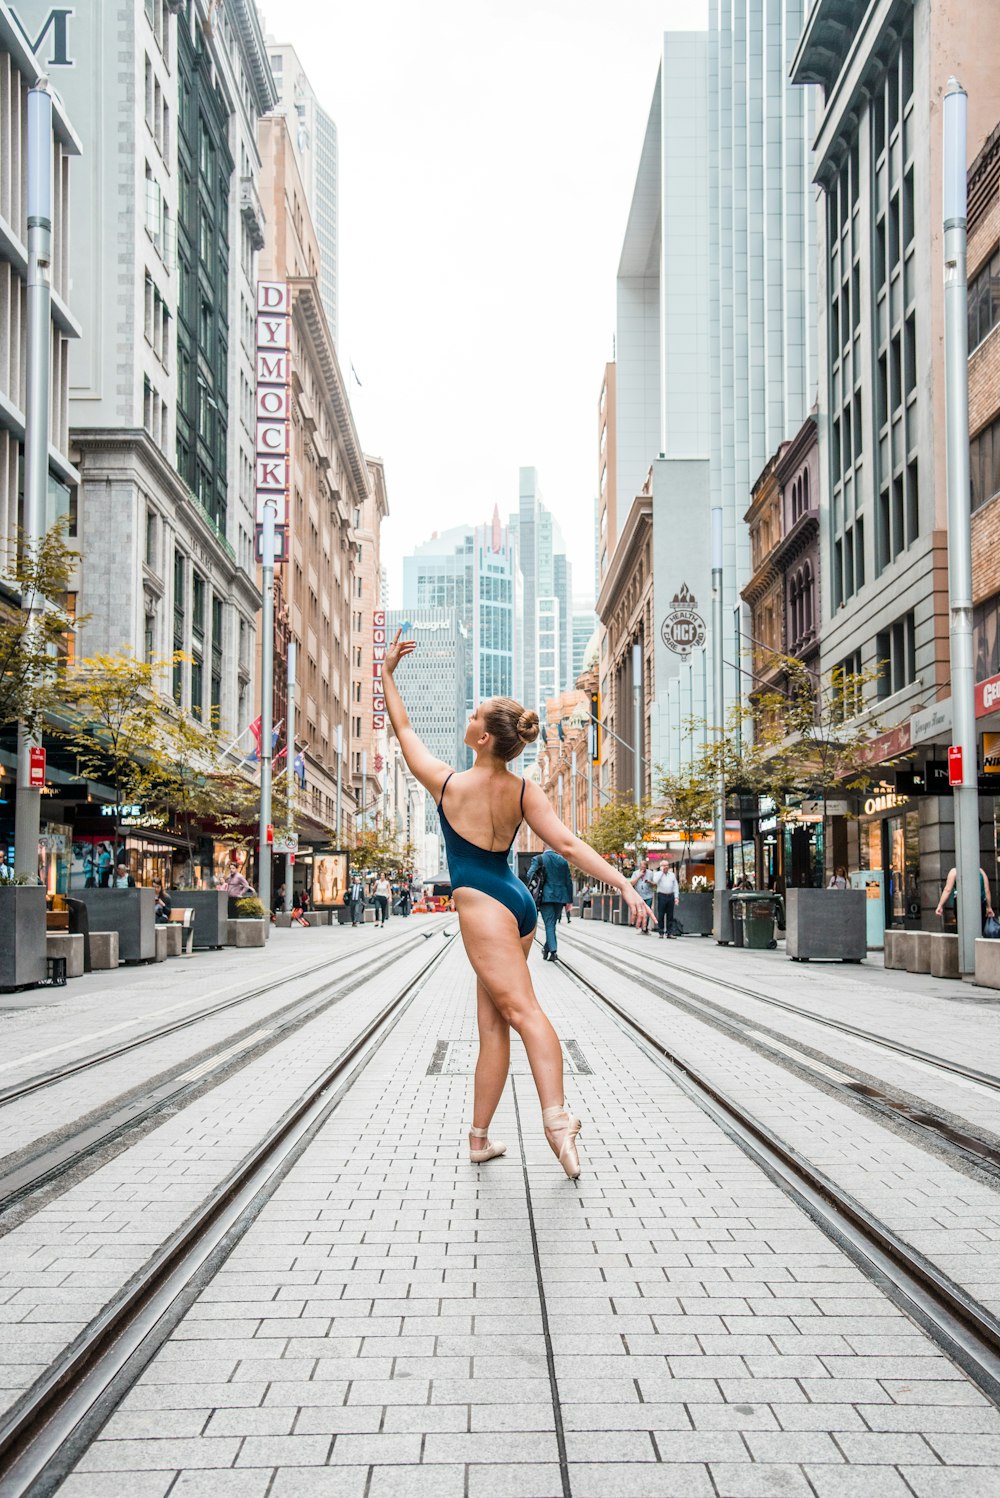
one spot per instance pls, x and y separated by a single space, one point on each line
491 1152
561 1119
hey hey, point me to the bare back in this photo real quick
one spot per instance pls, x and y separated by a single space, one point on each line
484 806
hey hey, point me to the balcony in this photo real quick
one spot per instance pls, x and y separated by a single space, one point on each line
251 212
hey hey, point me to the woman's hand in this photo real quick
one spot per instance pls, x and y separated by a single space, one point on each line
639 912
396 651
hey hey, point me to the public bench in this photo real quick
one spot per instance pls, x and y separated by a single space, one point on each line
183 916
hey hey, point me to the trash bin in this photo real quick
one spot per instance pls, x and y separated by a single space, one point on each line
754 916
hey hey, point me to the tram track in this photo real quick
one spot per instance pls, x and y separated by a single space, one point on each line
963 1328
15 1091
43 1434
50 1160
887 1100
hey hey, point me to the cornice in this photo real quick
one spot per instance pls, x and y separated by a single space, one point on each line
797 449
620 568
312 318
797 540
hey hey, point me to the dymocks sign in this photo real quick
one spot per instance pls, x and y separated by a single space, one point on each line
273 409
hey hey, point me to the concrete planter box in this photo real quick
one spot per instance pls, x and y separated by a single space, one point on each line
895 948
987 962
826 925
318 917
69 948
104 950
211 913
252 933
722 920
918 952
695 913
22 935
130 912
944 954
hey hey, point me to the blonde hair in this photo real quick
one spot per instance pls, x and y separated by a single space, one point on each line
511 725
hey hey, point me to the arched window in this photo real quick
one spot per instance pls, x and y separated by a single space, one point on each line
805 490
807 620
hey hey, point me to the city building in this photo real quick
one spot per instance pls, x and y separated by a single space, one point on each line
18 73
473 570
495 625
562 768
166 231
434 691
880 73
715 346
625 605
314 136
584 624
368 732
607 474
330 483
547 591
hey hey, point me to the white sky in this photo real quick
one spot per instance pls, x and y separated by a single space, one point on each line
488 150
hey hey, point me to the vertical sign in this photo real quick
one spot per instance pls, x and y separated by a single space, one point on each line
273 409
36 767
378 656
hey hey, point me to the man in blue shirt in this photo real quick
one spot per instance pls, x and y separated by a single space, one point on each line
556 892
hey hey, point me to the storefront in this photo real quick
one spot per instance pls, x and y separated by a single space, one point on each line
889 839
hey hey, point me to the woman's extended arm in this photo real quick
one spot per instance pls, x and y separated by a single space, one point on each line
432 773
543 821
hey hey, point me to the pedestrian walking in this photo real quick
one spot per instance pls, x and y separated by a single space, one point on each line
556 892
838 879
664 882
949 896
383 894
642 881
235 883
356 901
497 916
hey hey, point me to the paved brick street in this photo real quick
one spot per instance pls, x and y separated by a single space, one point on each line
395 1321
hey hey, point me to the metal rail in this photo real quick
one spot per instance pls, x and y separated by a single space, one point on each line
48 1163
49 1078
964 1329
42 1435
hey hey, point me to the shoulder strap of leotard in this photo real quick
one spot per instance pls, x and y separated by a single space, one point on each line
522 797
444 788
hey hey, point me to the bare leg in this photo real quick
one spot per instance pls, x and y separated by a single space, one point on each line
499 956
494 1058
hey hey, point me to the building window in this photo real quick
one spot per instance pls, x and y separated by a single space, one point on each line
984 301
984 464
896 656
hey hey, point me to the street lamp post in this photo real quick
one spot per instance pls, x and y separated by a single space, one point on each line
340 776
27 820
264 845
572 771
719 701
290 773
956 389
637 722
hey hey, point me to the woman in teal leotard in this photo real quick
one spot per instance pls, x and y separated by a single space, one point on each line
480 816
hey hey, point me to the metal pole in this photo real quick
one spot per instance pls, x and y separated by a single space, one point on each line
590 784
704 696
340 775
637 721
28 812
719 701
956 394
290 765
690 732
364 787
572 771
562 809
266 700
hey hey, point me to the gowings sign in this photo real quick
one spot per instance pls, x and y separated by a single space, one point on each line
683 630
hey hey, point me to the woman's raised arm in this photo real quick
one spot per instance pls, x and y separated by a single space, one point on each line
431 772
543 821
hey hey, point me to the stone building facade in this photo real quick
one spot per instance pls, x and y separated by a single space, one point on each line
330 482
625 608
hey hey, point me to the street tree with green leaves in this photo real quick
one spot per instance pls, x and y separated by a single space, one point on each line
36 622
619 828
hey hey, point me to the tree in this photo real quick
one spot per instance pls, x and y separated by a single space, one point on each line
120 728
689 798
618 826
38 576
380 851
825 732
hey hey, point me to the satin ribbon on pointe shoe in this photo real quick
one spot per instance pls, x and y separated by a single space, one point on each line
554 1119
491 1152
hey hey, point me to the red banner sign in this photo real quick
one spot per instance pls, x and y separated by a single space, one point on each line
36 767
954 764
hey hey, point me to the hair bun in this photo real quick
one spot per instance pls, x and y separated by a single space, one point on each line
527 726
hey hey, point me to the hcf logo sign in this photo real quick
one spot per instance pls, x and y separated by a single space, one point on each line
273 411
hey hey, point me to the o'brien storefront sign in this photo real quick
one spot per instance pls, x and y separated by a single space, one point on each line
273 412
378 656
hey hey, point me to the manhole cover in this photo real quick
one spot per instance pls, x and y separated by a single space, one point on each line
453 1058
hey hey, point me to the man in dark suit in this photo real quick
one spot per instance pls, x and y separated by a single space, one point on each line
556 892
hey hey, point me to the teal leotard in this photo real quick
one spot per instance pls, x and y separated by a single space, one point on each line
472 867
